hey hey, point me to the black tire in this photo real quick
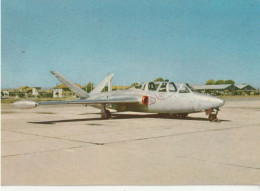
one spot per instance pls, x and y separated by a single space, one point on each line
212 117
108 114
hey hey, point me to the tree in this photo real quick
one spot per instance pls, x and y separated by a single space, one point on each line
89 87
134 84
229 82
158 80
220 82
210 82
105 89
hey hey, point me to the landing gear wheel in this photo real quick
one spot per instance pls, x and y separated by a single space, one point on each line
106 114
213 113
212 117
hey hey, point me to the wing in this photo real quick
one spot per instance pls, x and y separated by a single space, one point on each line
119 99
109 100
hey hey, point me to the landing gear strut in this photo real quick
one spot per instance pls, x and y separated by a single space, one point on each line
213 115
105 114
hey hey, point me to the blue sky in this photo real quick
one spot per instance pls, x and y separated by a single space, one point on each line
180 40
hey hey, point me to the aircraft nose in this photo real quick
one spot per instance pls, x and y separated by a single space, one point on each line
219 102
203 102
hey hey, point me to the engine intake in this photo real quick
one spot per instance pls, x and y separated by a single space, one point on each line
145 100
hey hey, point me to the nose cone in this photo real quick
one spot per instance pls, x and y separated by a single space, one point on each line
203 102
214 102
218 102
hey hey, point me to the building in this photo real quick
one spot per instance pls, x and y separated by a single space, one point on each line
225 89
62 90
57 93
46 93
245 89
219 89
35 91
25 91
4 94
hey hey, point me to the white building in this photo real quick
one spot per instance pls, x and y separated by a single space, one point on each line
4 94
57 93
35 91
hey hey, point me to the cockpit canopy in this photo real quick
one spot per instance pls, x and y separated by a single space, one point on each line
164 87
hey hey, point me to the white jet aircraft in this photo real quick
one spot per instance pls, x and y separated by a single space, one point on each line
164 98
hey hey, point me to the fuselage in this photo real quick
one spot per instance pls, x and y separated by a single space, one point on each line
165 98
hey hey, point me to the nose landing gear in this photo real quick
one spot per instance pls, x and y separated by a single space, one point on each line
213 114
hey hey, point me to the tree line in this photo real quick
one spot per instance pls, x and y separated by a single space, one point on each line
213 82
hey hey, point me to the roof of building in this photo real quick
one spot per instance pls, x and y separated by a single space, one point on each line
22 87
27 88
241 86
211 87
48 91
61 86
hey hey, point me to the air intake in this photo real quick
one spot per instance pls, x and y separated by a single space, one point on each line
145 100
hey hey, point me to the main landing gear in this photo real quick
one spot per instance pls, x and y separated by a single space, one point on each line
213 115
105 113
182 115
173 115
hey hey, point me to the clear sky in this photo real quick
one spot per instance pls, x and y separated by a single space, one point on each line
180 40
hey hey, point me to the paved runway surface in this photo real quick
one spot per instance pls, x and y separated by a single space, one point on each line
71 145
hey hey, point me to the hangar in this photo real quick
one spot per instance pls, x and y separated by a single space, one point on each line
215 89
225 89
245 87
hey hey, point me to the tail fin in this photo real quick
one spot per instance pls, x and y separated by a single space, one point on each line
102 84
78 91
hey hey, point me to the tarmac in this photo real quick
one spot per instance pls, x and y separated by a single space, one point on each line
72 145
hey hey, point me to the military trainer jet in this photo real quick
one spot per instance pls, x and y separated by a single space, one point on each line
165 98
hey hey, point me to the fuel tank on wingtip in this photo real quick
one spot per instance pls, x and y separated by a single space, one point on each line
25 104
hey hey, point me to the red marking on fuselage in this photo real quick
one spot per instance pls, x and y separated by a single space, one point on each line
152 100
162 96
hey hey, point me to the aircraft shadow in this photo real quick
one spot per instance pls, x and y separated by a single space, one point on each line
66 121
128 116
123 116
